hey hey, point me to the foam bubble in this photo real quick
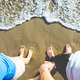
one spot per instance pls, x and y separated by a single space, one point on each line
67 12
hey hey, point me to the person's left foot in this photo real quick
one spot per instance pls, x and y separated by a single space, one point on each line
50 52
21 51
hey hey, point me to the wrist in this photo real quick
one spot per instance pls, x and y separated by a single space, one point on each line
43 70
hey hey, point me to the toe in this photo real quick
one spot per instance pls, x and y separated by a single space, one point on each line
21 49
47 48
68 49
50 47
30 50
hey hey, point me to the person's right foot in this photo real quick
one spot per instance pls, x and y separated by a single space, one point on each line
50 52
68 49
30 52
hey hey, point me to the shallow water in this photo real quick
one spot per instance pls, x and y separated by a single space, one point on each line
66 12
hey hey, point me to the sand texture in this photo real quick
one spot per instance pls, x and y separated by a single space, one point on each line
39 35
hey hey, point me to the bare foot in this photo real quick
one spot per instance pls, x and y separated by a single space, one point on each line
30 52
50 52
21 51
68 49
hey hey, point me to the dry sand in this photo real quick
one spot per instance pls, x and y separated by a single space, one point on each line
36 33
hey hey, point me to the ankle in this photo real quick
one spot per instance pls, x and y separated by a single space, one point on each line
21 54
52 56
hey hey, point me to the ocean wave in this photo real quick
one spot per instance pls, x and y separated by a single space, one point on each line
14 12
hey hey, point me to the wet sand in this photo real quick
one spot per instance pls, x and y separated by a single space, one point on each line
39 35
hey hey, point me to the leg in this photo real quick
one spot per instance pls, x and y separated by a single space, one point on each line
21 51
45 71
46 63
26 60
60 60
50 52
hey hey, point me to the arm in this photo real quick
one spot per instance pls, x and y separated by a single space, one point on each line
45 71
45 75
28 58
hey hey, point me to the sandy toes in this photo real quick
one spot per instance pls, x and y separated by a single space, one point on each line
50 52
21 51
68 49
30 53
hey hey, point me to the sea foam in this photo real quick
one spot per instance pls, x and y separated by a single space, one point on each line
14 12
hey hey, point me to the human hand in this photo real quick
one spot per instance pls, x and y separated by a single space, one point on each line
46 66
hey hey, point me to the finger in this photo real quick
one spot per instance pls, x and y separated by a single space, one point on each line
47 62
